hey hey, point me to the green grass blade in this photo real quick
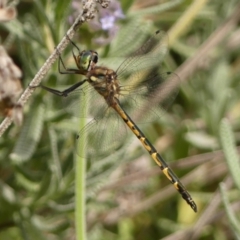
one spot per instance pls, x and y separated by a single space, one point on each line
80 171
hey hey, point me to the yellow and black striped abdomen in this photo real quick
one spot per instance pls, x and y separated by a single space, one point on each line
156 157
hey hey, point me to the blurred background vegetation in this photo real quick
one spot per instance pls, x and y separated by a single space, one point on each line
127 195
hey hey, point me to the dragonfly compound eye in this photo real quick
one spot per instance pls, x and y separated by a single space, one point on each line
86 60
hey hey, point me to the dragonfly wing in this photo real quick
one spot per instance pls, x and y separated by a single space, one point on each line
75 102
103 136
150 54
151 98
105 131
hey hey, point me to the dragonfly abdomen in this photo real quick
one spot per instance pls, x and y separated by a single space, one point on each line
156 157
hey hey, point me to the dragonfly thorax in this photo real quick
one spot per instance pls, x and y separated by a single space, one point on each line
105 82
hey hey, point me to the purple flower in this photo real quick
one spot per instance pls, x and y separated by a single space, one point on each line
105 20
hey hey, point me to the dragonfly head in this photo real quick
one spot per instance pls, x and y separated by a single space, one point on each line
87 60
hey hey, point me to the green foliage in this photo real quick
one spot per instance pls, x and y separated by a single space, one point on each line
232 158
126 198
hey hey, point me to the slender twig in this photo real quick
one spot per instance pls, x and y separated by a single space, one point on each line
86 14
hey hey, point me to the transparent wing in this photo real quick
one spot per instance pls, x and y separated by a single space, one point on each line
102 137
151 98
105 131
150 91
149 55
85 99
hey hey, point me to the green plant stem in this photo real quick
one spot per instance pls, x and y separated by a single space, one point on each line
80 197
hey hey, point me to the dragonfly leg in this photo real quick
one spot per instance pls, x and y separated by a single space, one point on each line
66 70
74 45
65 92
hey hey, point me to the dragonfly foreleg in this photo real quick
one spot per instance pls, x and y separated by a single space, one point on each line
73 45
67 70
66 91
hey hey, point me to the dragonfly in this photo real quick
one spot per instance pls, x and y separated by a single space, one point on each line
110 88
